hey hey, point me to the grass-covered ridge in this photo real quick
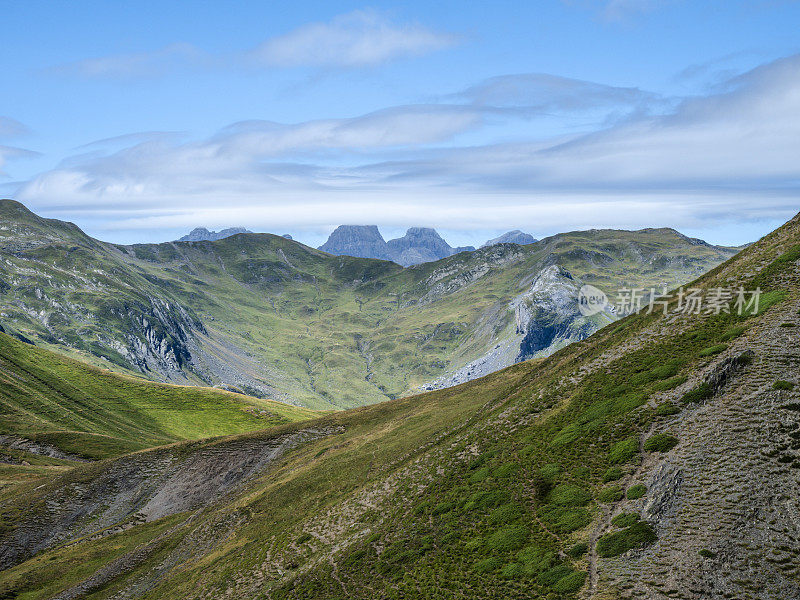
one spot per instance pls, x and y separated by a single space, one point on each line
95 413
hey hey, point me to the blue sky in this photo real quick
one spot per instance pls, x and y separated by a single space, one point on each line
141 120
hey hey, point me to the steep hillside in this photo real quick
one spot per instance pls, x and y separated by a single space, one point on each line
656 459
278 319
53 405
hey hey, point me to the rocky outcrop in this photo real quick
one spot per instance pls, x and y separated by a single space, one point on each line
512 237
545 319
547 315
418 245
201 234
158 335
364 241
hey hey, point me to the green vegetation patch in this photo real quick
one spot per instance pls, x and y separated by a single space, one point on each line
637 535
666 409
612 493
699 394
712 350
612 474
625 520
623 451
660 442
636 491
782 385
506 539
567 494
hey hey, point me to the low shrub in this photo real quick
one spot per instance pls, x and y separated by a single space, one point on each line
660 442
505 470
712 350
570 583
625 520
707 553
488 565
443 507
506 539
552 576
636 491
612 493
512 571
782 385
669 384
536 559
637 535
732 333
564 520
623 451
508 513
487 499
666 409
550 471
578 550
304 537
480 475
612 474
567 494
698 394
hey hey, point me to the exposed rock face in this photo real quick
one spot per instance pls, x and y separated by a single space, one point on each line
201 234
364 241
418 245
547 314
545 319
512 237
421 244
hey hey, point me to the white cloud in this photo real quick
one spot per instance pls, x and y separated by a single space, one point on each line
728 155
357 39
545 93
360 38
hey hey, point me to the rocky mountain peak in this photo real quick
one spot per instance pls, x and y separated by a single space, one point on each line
512 237
418 245
201 234
364 241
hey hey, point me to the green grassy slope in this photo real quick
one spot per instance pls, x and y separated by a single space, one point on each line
607 470
94 413
279 319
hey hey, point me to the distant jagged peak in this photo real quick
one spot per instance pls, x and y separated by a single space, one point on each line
363 241
512 237
201 234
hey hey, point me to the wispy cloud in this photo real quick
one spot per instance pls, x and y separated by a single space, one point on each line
729 153
362 38
136 65
11 128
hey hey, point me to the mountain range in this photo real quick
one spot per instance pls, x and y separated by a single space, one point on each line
200 234
656 458
418 245
270 317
